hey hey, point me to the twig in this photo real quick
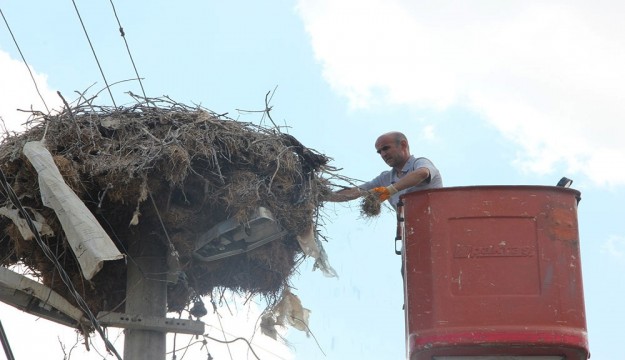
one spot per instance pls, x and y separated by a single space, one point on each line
269 108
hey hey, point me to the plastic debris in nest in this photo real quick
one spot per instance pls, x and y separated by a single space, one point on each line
288 311
88 240
312 247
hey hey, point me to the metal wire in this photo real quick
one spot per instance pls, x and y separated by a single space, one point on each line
94 54
5 343
123 35
24 60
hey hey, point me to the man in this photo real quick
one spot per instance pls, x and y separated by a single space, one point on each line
407 173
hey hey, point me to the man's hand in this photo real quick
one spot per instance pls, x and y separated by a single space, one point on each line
384 193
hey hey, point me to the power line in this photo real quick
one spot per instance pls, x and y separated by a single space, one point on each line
5 343
123 35
225 340
24 60
239 338
247 342
249 345
93 51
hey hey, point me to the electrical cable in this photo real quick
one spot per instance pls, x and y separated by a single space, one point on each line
24 60
224 334
94 54
248 341
123 35
222 342
234 340
5 343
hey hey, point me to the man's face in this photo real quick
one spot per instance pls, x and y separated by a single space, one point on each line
391 152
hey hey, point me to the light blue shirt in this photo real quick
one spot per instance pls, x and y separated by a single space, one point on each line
389 177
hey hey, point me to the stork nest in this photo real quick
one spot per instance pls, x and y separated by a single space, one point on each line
180 169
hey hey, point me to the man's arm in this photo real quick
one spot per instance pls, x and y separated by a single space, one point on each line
346 194
413 178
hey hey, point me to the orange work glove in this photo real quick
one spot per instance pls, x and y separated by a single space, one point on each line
384 193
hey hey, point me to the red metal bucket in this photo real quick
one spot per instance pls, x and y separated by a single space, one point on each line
493 271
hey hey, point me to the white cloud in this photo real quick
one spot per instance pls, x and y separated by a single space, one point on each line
429 132
547 74
18 91
615 247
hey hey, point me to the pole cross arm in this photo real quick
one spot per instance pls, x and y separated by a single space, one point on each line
37 299
153 323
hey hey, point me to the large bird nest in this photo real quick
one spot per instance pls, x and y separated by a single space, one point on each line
181 170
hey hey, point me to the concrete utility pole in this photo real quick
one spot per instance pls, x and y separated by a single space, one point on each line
145 318
146 295
146 303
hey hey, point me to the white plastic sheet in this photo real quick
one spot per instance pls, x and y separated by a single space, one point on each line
288 311
88 240
312 247
40 223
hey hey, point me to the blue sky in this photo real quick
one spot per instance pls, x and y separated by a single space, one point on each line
507 93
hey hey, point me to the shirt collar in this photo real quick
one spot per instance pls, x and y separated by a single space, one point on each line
406 167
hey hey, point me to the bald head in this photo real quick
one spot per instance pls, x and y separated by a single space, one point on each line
393 147
395 136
